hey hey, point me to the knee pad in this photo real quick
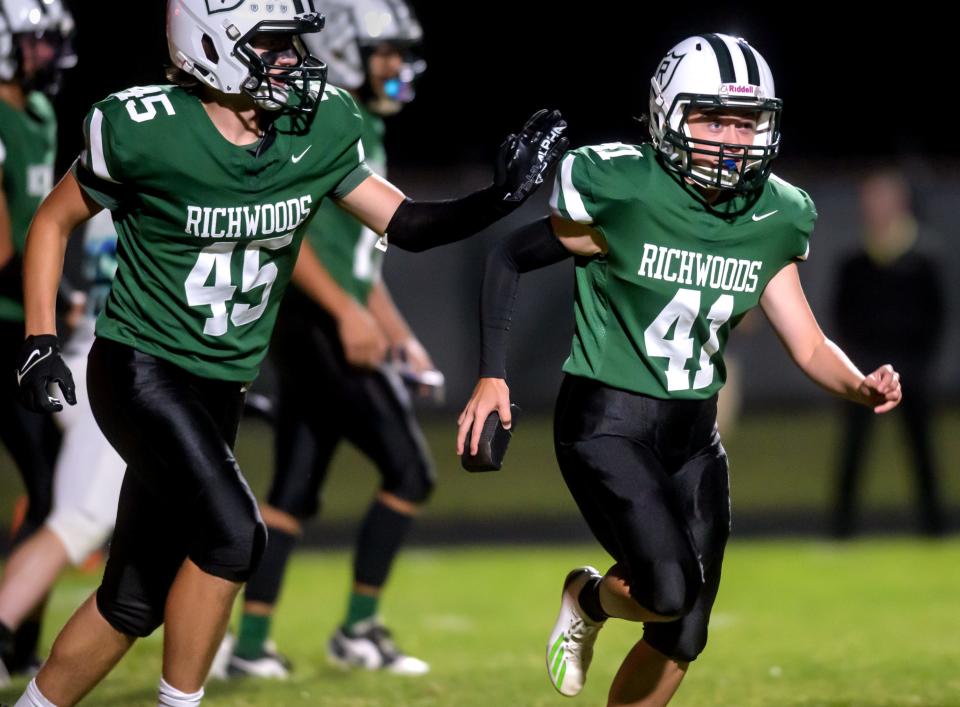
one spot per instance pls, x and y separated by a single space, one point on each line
80 533
413 483
669 589
682 640
234 550
132 613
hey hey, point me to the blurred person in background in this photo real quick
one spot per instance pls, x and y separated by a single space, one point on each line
673 242
340 321
890 306
88 472
35 48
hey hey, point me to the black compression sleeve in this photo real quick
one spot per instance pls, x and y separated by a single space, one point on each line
528 248
419 225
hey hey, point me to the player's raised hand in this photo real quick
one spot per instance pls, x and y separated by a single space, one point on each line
524 158
882 389
40 365
489 394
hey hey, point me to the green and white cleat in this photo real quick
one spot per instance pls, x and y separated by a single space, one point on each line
570 646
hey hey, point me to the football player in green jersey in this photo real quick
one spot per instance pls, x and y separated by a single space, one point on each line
673 243
211 182
34 49
342 323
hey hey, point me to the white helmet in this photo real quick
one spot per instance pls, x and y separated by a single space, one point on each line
715 71
46 20
211 40
355 28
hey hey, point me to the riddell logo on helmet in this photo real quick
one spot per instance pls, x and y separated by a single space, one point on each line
738 89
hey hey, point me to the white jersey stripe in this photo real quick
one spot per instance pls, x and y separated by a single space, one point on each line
3 153
571 197
98 162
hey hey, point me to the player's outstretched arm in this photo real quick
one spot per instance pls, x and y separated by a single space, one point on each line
530 247
785 305
65 208
522 163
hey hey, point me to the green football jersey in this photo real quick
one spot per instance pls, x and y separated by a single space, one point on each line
208 232
28 144
653 314
347 247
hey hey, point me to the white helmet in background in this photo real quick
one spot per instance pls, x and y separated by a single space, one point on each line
355 30
715 72
31 22
212 40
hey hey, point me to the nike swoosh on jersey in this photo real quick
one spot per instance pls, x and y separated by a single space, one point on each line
297 158
760 218
28 365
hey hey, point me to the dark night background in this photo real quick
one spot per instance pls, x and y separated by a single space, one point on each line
855 84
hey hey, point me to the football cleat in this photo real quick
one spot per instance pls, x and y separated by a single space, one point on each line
570 646
270 665
369 645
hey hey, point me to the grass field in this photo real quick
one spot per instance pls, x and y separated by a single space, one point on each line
797 623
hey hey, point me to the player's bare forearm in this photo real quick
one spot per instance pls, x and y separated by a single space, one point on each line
65 208
830 368
381 306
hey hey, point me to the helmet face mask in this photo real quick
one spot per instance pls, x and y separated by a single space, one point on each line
715 74
273 85
231 49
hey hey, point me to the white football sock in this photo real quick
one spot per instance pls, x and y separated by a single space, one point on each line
32 697
172 697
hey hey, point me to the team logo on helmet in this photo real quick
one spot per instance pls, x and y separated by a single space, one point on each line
214 6
269 7
668 65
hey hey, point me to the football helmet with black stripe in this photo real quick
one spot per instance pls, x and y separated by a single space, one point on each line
214 40
715 72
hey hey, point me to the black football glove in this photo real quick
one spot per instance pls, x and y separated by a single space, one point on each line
40 365
526 157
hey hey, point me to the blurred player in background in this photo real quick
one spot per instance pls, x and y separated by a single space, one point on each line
35 48
673 242
88 472
890 306
340 322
